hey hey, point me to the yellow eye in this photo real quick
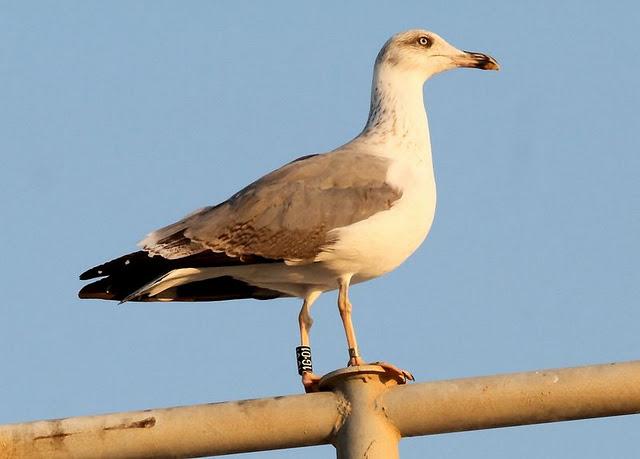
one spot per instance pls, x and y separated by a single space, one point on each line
424 41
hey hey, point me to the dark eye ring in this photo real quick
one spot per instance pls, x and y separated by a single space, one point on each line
424 41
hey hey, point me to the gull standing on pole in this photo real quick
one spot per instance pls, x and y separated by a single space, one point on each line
320 223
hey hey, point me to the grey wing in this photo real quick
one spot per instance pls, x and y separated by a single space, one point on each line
287 214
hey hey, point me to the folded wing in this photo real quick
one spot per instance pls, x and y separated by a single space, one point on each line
288 216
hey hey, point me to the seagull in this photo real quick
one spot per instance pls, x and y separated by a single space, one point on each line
319 223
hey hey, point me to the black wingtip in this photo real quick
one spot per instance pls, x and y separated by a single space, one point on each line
117 279
98 290
89 274
115 265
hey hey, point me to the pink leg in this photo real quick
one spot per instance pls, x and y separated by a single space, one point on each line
309 379
345 308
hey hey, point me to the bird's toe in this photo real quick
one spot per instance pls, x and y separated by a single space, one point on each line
402 376
310 381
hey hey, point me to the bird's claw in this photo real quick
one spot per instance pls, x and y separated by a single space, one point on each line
310 381
400 375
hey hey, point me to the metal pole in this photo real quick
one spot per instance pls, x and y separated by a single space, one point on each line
366 432
188 431
515 399
363 416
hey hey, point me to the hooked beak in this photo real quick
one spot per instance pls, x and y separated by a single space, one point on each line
475 60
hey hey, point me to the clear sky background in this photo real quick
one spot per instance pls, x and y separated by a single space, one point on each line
119 117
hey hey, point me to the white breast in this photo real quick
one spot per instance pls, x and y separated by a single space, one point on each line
380 243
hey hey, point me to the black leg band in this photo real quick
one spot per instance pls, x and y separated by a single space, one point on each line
303 356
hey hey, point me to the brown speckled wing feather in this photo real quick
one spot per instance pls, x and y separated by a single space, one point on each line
287 214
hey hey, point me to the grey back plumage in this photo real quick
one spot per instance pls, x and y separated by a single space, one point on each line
287 214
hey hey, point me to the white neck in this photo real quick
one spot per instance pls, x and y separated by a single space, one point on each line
397 116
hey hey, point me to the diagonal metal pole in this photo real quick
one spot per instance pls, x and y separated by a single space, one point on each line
363 413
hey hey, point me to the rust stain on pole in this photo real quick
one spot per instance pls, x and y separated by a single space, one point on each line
145 423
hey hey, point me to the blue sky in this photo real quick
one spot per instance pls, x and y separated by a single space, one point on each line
120 117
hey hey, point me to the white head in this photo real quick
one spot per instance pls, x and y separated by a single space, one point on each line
421 54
